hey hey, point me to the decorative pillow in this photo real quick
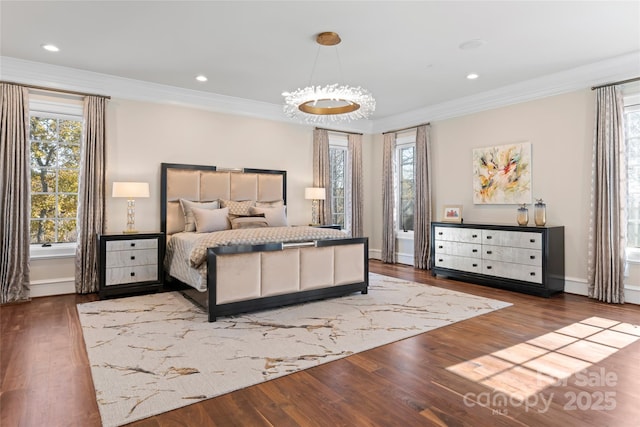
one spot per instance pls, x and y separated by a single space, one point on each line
248 222
237 208
271 204
208 220
276 217
187 205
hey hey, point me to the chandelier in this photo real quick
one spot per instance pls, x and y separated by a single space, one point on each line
330 103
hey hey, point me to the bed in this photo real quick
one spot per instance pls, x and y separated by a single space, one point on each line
249 268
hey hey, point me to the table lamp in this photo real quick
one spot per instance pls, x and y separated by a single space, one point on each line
130 190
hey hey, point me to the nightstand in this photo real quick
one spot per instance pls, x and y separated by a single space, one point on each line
130 263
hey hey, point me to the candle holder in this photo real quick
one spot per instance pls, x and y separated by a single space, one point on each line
540 213
523 215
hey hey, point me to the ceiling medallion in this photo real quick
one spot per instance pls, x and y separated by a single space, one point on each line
330 103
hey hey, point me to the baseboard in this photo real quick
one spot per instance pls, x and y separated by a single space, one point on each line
49 287
400 257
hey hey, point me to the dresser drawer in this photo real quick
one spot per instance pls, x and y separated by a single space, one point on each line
526 273
515 255
471 250
517 239
125 245
466 235
458 263
123 275
131 258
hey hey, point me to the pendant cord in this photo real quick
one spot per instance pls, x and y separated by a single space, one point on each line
315 62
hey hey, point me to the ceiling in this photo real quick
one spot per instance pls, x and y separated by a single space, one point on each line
407 54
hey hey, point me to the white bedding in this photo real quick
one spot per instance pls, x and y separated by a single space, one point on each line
186 252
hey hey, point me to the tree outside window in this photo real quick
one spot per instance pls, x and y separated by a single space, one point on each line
406 186
632 136
55 169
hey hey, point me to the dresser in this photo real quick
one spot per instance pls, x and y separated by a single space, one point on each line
524 259
130 263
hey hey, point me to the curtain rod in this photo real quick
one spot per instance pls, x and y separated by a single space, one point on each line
635 79
341 131
72 92
410 127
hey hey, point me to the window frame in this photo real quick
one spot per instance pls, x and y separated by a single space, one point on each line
339 141
403 141
64 108
631 102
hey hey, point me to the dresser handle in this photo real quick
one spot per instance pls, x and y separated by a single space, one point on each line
133 244
440 247
133 273
474 235
439 233
488 267
474 250
532 240
489 252
133 257
489 237
474 265
532 256
440 260
532 274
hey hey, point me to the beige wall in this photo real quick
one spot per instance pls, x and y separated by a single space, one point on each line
560 131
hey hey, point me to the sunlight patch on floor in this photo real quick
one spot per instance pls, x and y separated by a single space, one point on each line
525 369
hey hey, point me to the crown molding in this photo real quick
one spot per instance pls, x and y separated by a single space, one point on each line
579 78
57 77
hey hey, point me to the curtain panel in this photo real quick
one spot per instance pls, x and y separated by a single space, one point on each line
422 207
608 223
14 193
91 194
388 199
321 172
355 176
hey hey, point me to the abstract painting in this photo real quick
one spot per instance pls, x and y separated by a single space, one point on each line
502 174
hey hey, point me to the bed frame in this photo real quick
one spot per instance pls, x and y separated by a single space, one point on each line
245 278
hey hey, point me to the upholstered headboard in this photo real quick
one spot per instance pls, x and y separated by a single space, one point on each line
206 183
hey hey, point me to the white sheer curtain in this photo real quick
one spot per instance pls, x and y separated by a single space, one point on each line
608 199
14 193
422 206
388 199
91 194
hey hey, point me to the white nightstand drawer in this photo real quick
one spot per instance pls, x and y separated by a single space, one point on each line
132 257
515 255
122 275
125 245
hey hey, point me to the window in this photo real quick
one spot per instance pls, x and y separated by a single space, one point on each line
405 181
55 140
632 136
339 173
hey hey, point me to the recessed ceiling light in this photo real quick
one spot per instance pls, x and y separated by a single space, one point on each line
472 76
201 78
50 47
472 44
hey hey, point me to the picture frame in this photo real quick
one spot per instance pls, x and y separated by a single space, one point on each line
452 213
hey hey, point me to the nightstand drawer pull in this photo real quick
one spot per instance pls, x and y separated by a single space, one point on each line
474 250
133 273
489 267
532 257
489 252
133 245
440 247
132 257
474 235
532 240
532 273
489 237
474 265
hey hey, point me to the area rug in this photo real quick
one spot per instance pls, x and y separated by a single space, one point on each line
153 353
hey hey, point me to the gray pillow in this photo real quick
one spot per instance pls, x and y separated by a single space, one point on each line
187 205
209 220
276 216
248 222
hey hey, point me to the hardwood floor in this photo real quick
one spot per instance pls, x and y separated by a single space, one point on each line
46 380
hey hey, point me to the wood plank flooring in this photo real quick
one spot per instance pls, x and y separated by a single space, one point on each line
46 379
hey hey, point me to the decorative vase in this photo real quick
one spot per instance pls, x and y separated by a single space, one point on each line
523 215
540 213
